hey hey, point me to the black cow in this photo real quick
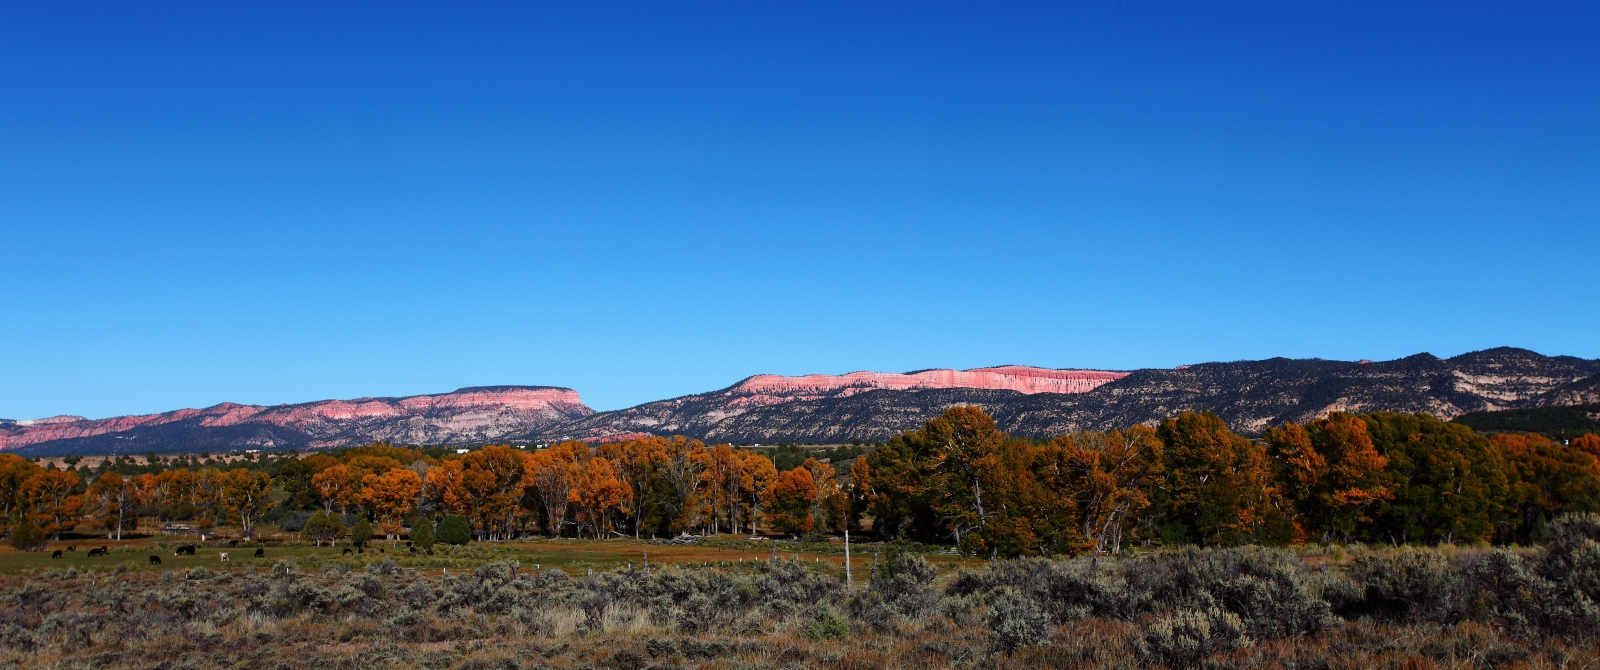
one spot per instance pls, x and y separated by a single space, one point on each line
185 550
96 552
359 550
261 553
155 560
346 551
233 543
381 551
55 554
71 548
413 549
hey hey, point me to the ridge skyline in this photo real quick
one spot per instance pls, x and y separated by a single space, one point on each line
1032 401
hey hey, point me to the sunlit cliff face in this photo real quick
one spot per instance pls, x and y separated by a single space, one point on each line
486 411
1018 378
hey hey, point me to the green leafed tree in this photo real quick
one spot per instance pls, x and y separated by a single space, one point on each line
1447 481
422 533
323 527
454 529
361 531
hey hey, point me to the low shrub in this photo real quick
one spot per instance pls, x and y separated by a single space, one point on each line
1183 638
1017 621
827 624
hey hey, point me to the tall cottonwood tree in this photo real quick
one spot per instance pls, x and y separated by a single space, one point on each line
246 494
1215 485
52 500
1331 473
117 501
494 479
682 463
392 497
597 494
14 470
552 473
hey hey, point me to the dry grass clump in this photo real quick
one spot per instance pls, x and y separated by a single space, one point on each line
1250 608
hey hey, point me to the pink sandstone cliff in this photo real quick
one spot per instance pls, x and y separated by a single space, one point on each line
480 412
770 389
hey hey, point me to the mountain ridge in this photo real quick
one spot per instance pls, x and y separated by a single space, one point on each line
1026 401
466 416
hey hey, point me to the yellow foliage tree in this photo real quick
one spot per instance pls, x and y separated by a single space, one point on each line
596 494
246 495
117 501
52 500
392 496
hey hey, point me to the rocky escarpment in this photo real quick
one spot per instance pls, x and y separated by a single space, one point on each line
1249 395
466 416
1030 402
760 407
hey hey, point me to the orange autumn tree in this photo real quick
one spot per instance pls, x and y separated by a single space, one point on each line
338 486
494 478
968 470
596 495
442 487
790 500
722 485
757 474
14 470
1215 488
52 500
1546 479
636 463
828 493
683 461
116 500
1331 474
392 496
1588 443
1109 477
551 474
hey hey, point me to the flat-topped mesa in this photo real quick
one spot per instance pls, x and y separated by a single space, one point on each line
469 414
1020 378
561 401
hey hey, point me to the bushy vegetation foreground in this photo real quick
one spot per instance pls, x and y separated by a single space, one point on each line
1192 607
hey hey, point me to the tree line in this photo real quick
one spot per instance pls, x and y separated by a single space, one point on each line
1379 478
1388 478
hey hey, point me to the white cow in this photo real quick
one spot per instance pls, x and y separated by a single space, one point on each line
224 557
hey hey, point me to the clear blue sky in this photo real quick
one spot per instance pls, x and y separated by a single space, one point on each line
274 202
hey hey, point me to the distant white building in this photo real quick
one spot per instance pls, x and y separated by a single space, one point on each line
462 451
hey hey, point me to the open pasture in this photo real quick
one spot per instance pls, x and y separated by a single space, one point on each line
566 554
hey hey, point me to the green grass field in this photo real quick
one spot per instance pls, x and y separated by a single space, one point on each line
568 554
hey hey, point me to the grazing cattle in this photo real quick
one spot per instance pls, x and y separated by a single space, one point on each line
381 551
224 557
261 553
96 552
55 554
360 550
71 548
346 551
155 560
413 549
233 543
185 550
